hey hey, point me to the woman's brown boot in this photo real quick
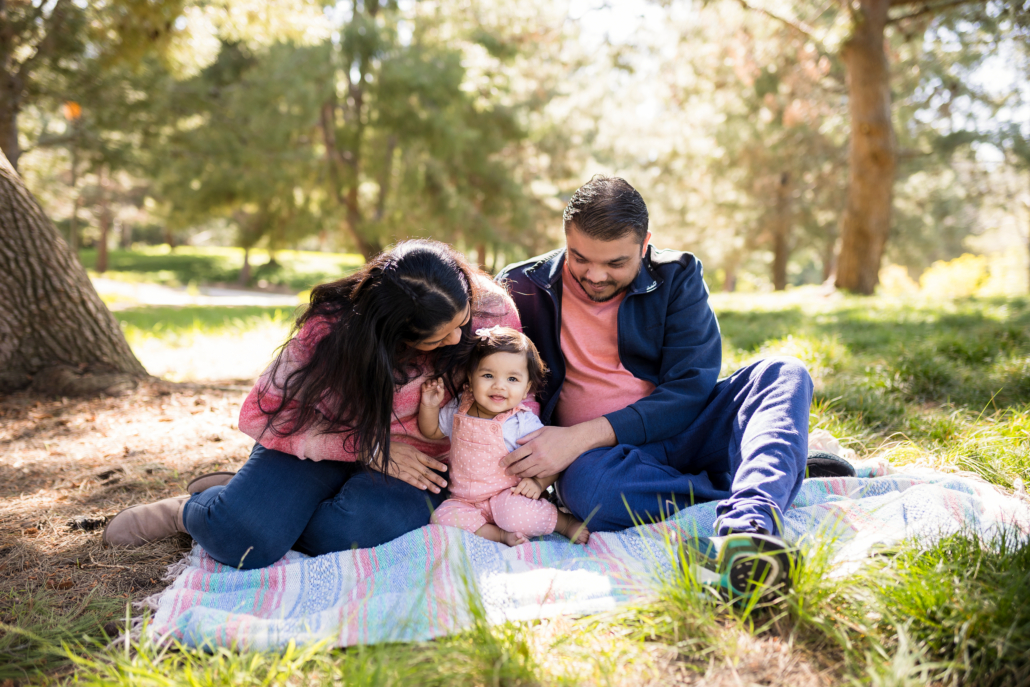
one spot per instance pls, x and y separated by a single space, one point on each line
145 523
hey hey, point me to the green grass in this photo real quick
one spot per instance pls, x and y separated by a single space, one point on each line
36 627
944 384
480 656
943 381
298 270
966 604
168 321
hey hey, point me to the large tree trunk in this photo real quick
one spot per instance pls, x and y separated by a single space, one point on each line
781 233
872 155
56 335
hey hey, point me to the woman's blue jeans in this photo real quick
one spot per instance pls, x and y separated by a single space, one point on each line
278 502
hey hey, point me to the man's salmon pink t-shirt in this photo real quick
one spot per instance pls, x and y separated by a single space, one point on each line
596 382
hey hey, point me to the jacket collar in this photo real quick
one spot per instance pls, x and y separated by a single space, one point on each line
546 272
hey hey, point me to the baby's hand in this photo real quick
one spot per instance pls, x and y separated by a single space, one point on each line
432 393
528 487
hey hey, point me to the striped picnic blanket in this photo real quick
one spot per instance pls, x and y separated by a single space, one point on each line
432 581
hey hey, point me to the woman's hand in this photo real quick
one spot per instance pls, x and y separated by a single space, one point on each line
432 393
414 467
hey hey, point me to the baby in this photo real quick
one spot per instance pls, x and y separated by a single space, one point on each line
484 426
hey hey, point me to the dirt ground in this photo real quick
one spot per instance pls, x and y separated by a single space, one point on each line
68 465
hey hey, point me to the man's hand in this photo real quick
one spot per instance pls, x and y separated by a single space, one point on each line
414 467
548 451
528 487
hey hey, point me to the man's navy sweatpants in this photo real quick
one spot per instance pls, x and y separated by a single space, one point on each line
747 449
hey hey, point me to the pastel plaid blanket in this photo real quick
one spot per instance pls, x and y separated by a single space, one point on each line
430 582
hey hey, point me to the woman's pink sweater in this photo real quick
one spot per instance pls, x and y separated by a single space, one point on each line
312 444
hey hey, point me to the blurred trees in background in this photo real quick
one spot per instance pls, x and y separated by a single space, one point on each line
351 125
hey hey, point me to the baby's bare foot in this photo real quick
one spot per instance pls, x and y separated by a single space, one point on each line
513 538
572 528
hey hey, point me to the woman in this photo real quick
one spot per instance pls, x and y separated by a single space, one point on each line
340 461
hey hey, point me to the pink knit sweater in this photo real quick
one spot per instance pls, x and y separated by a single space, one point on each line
315 445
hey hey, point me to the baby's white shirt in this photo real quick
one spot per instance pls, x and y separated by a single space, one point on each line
518 425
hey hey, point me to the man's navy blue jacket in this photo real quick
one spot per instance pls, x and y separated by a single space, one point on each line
668 335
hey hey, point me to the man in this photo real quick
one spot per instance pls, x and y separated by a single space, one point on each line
643 427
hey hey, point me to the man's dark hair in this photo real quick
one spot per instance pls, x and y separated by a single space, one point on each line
607 208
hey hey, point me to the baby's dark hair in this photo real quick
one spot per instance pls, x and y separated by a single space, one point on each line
508 340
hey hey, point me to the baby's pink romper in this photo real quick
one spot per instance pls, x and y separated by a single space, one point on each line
480 491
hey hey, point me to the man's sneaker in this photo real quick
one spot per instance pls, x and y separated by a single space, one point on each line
747 563
826 464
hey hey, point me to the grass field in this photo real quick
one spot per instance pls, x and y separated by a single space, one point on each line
944 384
204 343
186 265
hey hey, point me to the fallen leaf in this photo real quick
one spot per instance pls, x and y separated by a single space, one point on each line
30 531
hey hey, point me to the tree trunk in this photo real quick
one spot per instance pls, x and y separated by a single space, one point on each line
244 277
829 256
105 225
481 255
866 221
56 335
495 262
339 167
124 235
730 267
729 284
781 233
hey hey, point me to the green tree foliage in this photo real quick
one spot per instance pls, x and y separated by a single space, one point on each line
367 131
235 143
45 45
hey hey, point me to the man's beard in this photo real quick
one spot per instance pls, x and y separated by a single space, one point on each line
604 299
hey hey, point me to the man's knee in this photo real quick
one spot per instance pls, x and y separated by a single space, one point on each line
787 368
578 485
591 488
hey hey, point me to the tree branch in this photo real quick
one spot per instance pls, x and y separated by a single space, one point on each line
930 9
798 28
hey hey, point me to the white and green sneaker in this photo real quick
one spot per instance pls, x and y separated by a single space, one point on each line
747 563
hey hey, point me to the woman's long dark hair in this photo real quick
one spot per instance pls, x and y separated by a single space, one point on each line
400 297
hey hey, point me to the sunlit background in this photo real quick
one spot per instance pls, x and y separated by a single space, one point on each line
221 158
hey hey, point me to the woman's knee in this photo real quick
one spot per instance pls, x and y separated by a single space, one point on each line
247 546
369 510
231 536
